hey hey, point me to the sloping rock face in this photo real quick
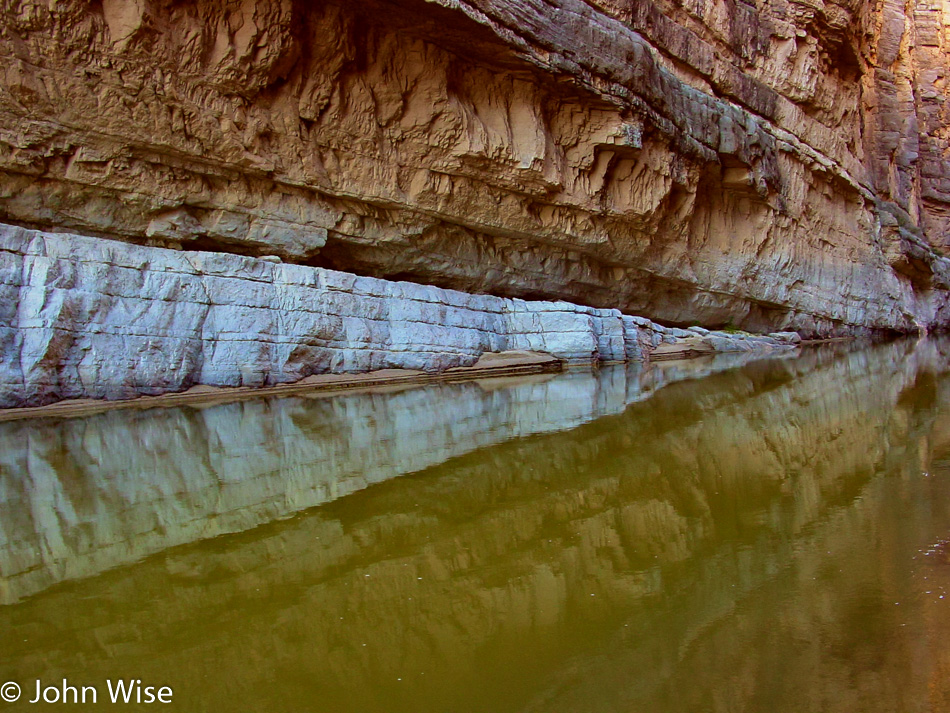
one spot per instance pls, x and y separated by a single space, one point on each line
770 164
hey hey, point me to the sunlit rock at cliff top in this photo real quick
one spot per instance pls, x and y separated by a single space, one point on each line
768 165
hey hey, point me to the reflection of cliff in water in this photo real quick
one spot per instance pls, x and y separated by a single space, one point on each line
735 543
78 496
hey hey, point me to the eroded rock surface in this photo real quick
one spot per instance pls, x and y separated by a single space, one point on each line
774 165
87 317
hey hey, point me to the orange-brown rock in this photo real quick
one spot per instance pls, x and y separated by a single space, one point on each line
767 164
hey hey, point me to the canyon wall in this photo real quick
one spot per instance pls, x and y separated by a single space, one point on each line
768 164
85 317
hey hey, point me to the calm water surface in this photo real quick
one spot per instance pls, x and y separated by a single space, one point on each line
719 536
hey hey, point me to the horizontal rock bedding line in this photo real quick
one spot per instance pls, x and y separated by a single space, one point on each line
85 317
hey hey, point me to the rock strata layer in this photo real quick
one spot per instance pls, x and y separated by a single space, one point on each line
88 317
769 164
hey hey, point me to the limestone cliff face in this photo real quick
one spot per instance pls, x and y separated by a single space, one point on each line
769 164
87 317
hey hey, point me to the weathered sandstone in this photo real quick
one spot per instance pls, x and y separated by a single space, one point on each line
773 165
87 317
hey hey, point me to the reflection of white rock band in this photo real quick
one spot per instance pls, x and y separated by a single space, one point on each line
197 473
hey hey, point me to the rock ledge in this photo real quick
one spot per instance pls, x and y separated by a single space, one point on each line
87 317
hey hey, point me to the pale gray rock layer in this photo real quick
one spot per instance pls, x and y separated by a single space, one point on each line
86 317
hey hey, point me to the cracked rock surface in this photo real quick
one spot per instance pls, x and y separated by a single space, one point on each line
93 318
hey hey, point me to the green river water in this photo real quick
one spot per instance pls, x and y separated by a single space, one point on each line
756 535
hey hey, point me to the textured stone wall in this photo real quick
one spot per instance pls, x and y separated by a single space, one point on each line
767 164
87 317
